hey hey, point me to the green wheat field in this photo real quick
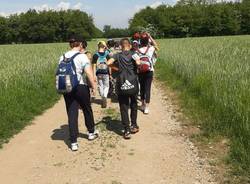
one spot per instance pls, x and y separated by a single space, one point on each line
215 71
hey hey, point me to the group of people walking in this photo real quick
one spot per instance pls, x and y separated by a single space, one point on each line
129 66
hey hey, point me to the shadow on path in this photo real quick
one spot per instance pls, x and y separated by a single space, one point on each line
96 101
62 134
112 124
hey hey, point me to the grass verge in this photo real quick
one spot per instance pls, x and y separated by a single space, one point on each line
206 117
27 84
27 80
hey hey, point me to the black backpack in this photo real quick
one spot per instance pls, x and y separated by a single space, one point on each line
127 80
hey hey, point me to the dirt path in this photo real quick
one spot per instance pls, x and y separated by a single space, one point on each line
157 155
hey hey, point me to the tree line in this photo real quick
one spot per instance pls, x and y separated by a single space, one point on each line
194 18
46 26
109 32
185 19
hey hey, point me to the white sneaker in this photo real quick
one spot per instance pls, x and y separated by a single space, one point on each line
93 136
142 108
74 146
146 110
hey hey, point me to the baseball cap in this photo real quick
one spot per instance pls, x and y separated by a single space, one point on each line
136 41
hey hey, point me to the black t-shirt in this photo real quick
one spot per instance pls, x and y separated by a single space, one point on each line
125 61
95 57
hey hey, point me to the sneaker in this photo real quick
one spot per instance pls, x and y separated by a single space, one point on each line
104 102
127 135
142 108
134 129
74 146
146 111
93 136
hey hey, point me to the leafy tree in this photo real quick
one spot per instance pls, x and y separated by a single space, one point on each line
106 29
3 29
46 26
195 18
110 32
245 16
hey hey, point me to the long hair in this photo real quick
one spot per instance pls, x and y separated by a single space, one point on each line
144 40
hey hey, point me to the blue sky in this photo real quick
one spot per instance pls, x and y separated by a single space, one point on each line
112 12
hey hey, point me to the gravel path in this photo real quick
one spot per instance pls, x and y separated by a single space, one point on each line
156 155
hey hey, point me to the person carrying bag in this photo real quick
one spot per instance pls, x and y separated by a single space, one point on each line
71 82
127 86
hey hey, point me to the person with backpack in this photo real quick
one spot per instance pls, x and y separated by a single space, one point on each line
136 37
146 70
113 69
127 86
153 43
135 45
101 69
111 47
71 82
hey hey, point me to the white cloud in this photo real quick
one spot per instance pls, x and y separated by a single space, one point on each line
44 7
77 6
60 6
3 14
7 14
156 4
63 6
139 7
153 5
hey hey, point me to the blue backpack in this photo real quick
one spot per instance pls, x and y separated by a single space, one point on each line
66 76
101 64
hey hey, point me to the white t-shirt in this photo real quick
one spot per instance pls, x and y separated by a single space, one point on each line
81 62
150 54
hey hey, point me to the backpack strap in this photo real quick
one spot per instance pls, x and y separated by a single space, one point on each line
106 54
102 56
147 50
72 60
73 57
98 54
138 50
123 64
144 54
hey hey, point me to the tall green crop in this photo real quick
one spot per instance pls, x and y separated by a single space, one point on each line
216 72
27 83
